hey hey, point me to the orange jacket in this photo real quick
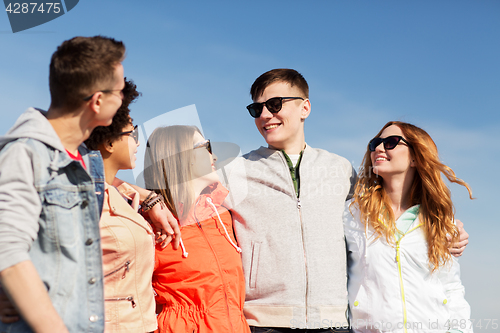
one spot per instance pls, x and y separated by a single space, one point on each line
202 290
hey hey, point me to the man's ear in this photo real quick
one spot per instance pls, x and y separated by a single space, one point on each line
306 109
95 102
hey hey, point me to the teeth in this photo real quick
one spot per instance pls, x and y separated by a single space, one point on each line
381 159
270 127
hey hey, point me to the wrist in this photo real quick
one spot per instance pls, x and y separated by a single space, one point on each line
151 200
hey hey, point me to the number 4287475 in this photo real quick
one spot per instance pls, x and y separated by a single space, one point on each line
32 7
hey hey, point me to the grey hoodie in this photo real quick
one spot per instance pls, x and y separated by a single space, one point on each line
293 250
19 204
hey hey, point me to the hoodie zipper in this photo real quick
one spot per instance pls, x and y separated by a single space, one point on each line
401 284
299 207
127 268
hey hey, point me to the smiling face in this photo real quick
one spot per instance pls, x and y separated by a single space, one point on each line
285 129
203 170
389 163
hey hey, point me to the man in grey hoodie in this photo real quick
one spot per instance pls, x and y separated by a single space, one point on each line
287 204
51 191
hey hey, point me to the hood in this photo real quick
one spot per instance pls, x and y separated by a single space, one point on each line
33 124
204 209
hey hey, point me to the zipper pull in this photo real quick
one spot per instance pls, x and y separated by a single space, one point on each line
298 203
127 268
397 252
131 299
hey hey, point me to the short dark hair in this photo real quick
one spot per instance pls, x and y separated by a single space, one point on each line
80 65
287 75
104 134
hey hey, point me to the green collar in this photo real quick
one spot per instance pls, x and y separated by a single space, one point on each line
294 171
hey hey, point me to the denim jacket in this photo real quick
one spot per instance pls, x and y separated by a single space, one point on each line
49 214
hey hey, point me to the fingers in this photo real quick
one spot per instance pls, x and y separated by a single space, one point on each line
8 319
8 314
162 238
464 236
458 248
461 243
457 251
165 235
167 241
176 231
166 225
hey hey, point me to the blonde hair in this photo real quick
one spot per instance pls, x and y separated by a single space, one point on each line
168 165
428 190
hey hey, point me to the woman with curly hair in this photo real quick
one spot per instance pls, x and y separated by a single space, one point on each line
398 228
126 238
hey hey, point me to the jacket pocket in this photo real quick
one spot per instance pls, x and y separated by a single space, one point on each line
122 299
123 268
116 307
254 265
61 216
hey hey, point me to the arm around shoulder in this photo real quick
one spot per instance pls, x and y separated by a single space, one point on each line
160 216
457 249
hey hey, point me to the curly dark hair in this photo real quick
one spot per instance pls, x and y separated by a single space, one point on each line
103 134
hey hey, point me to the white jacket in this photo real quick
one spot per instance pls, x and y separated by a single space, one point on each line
391 288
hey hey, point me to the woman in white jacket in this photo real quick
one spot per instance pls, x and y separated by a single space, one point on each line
398 228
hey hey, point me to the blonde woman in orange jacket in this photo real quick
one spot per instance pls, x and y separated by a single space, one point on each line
200 287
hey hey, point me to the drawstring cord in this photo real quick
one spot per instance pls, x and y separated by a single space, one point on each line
184 252
209 200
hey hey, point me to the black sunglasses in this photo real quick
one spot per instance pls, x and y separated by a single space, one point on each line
107 91
273 105
134 133
205 144
389 143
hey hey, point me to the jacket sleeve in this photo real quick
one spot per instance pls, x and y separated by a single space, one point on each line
20 205
353 179
459 309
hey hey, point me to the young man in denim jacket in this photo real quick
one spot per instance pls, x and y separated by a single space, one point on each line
51 193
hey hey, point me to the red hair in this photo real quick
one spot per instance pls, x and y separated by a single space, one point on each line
428 190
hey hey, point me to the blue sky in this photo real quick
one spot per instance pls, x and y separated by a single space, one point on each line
431 63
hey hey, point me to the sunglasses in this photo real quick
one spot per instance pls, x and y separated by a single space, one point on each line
389 143
107 91
273 105
205 144
134 134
